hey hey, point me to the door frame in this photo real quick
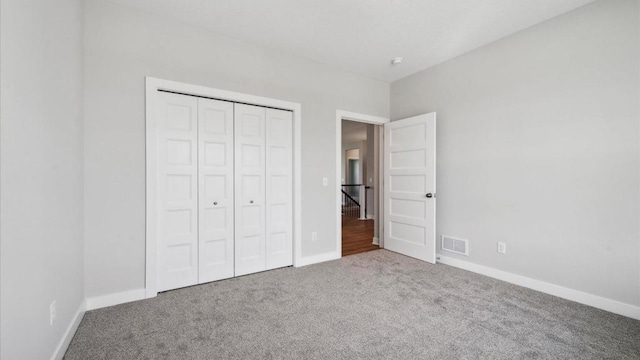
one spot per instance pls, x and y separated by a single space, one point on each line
367 119
152 86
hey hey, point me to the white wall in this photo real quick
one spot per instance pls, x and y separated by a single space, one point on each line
41 174
123 46
369 165
538 146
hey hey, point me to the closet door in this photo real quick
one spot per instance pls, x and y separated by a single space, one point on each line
215 190
177 191
279 188
249 191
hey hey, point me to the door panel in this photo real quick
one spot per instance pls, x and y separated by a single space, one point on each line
410 169
225 190
250 189
215 190
279 188
177 191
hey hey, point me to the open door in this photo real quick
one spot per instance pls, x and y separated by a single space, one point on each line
410 187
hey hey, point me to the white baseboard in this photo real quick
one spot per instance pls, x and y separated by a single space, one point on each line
376 241
115 299
308 260
61 349
599 302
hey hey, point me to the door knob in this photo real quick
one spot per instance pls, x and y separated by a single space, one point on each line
215 203
429 195
251 202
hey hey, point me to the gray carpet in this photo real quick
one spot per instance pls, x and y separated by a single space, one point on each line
376 305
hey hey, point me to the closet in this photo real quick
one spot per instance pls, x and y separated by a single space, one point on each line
224 177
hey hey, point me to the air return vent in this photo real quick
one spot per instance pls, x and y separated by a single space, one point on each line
455 245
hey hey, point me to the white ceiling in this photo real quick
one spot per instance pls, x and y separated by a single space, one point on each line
362 36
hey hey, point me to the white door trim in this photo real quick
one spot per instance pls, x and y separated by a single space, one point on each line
368 119
152 85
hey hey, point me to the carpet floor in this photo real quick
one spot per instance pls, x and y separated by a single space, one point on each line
375 305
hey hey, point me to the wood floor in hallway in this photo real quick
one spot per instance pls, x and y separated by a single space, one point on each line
357 236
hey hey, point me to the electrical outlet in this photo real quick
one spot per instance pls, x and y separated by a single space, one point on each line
325 181
314 236
502 248
52 312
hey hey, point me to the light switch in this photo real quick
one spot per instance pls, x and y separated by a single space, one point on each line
325 181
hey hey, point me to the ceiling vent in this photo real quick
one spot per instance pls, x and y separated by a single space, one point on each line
455 245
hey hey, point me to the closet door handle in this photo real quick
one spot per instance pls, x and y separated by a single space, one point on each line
215 203
250 201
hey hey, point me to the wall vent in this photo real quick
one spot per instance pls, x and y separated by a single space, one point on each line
455 245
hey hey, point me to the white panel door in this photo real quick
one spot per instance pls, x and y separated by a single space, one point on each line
250 189
410 187
279 188
215 190
177 191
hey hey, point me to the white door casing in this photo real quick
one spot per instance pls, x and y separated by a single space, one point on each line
410 186
215 190
368 119
250 189
279 188
177 191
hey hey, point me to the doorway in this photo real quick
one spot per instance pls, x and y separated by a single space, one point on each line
359 169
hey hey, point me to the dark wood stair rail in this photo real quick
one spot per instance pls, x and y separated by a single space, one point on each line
350 207
349 193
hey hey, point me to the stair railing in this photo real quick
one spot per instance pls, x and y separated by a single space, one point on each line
350 206
354 200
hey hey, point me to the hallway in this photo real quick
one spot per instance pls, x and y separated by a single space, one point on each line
357 236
